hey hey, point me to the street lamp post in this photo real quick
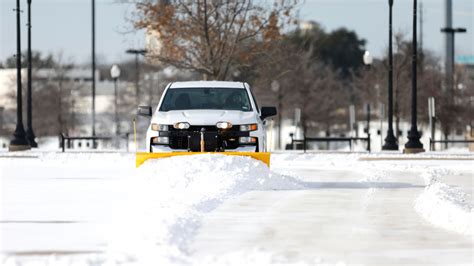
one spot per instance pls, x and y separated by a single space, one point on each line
368 60
115 74
450 65
19 142
390 140
137 52
275 86
450 35
93 73
30 135
414 145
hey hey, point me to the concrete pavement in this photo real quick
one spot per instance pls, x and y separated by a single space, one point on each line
338 219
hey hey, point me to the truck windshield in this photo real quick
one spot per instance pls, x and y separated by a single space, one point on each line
206 98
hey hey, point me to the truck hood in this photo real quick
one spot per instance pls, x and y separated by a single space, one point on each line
204 117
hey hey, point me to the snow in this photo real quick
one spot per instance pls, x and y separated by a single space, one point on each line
156 208
97 209
442 205
259 256
445 206
175 192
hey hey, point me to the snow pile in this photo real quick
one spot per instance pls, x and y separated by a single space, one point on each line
261 257
144 216
441 205
326 161
445 206
150 215
167 197
215 173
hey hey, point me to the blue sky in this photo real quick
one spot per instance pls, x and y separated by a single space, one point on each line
64 25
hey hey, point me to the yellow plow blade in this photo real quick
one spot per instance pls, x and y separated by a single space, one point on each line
141 157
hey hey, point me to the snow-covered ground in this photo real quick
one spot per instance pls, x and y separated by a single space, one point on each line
308 209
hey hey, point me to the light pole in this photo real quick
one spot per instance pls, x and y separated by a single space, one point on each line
368 61
74 96
19 142
450 61
390 141
449 45
381 114
115 74
471 99
148 81
93 73
137 52
30 135
276 89
414 145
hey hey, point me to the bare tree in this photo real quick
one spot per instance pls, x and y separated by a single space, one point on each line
313 87
213 37
51 98
454 110
401 81
63 92
325 100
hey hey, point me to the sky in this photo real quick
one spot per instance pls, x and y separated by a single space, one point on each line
64 26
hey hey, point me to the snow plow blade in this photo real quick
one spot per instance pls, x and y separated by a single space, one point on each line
141 157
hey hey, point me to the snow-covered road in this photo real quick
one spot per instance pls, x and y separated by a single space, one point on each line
311 209
336 219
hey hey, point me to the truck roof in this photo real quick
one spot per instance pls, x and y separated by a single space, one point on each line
207 84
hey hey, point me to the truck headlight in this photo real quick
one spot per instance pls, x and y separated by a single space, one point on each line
182 125
160 140
249 127
159 127
247 140
223 125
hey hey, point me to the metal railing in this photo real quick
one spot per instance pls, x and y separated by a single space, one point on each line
66 141
349 140
433 142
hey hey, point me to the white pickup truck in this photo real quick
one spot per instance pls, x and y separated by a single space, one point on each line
207 116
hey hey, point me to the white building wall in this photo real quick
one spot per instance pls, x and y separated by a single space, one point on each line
8 86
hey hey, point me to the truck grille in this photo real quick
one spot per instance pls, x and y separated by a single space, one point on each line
211 139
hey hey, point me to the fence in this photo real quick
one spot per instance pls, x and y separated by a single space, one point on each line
433 142
349 140
65 141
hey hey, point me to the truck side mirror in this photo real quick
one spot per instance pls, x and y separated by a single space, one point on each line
267 112
144 111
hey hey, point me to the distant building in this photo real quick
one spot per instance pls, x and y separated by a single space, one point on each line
306 26
81 98
153 42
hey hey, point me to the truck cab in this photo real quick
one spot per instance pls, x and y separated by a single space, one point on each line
207 116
